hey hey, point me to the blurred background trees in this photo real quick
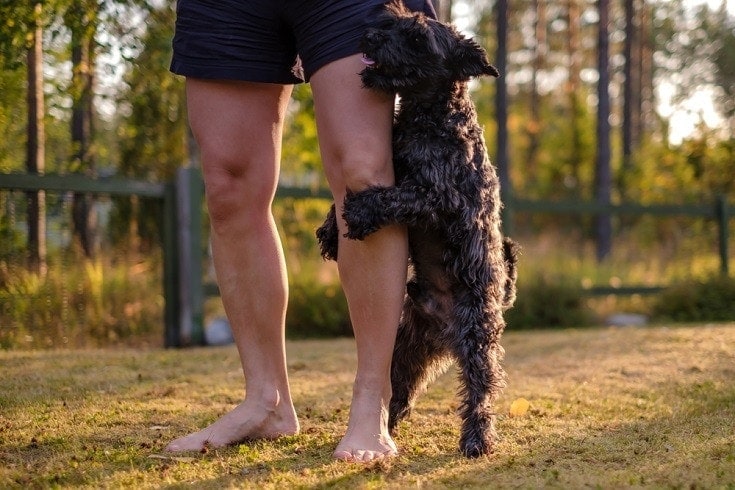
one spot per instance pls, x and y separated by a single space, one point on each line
607 100
113 108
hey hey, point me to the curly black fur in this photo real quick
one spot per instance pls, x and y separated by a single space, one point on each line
447 193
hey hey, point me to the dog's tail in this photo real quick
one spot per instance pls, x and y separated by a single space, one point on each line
511 250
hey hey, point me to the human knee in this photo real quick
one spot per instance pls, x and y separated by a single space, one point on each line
364 169
232 195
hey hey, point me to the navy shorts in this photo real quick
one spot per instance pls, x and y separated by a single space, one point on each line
259 40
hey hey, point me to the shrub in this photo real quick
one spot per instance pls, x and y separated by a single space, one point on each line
711 299
82 304
320 310
316 310
541 304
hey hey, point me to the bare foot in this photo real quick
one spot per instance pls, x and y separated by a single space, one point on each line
249 420
367 438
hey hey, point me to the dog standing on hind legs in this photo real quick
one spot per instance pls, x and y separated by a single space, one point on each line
447 194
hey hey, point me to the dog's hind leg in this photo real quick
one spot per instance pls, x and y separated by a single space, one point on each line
418 359
328 236
510 256
479 354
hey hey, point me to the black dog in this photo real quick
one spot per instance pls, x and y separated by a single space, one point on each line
447 193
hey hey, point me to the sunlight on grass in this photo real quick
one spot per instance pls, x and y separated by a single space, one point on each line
607 408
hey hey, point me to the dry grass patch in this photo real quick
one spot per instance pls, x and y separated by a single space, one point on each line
608 407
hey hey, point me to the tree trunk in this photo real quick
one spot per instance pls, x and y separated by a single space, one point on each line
35 150
502 160
533 128
646 101
443 10
82 34
603 177
631 93
572 88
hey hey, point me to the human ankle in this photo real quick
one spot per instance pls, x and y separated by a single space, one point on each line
266 396
372 388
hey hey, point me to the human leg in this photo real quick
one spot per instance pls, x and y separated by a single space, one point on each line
354 127
238 126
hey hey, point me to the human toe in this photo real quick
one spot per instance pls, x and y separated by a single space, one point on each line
192 442
342 455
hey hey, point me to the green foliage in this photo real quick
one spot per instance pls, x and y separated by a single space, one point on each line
297 221
317 307
566 160
152 128
12 119
711 299
719 28
11 241
541 303
15 21
316 310
95 303
698 169
300 159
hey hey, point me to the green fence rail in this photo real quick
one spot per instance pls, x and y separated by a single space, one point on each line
181 236
718 211
123 187
181 224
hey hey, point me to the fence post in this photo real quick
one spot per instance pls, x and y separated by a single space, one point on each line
723 218
191 293
172 337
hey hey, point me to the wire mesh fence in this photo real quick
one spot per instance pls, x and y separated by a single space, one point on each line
111 293
137 272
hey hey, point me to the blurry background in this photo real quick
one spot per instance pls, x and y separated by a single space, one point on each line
609 102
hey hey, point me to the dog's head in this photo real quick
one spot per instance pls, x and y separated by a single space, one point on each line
407 51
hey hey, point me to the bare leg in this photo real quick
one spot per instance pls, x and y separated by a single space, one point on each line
238 127
355 138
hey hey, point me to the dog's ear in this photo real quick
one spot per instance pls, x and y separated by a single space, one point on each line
470 60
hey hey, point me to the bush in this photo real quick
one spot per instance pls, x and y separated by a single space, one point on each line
317 310
542 304
81 304
320 310
711 299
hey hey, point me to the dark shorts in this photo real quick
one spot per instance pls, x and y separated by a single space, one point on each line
258 40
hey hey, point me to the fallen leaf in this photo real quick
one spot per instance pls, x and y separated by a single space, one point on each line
519 407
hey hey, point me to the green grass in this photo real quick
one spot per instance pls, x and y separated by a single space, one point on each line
610 408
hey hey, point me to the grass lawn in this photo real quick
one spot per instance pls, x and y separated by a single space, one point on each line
649 407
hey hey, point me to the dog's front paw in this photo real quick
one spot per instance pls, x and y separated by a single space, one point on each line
361 214
358 229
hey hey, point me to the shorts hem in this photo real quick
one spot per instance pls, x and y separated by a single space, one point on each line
239 73
347 49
